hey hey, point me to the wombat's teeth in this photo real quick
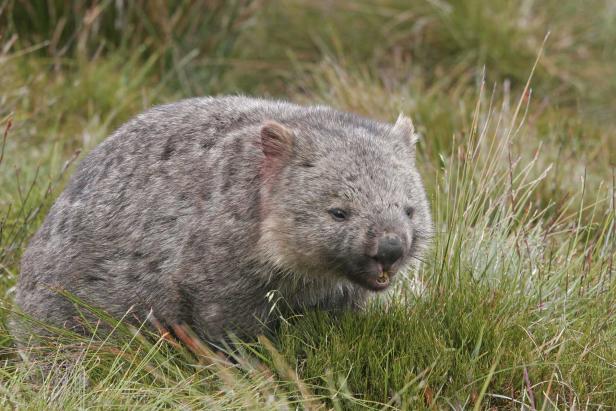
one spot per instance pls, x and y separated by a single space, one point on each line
383 278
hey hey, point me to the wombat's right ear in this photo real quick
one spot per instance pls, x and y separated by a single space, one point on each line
276 140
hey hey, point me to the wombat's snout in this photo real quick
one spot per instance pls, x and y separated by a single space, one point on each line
389 250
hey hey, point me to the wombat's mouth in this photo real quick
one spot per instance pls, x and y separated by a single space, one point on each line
378 280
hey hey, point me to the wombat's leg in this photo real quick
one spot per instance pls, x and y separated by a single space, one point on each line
47 306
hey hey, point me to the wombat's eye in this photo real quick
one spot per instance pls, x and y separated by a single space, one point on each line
337 214
410 211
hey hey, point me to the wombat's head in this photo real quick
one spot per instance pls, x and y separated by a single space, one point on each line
341 197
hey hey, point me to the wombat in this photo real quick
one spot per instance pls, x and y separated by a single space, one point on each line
196 212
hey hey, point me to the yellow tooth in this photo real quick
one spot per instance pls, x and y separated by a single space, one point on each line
383 277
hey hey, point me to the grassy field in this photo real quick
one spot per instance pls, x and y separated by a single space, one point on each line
516 105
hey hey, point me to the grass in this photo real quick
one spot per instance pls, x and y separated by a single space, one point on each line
519 306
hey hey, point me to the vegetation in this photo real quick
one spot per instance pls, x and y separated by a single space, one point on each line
518 305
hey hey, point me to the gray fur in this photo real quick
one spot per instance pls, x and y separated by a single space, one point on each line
181 212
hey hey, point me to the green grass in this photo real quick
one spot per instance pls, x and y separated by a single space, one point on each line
519 306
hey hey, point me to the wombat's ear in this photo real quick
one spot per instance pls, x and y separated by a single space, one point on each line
276 140
405 131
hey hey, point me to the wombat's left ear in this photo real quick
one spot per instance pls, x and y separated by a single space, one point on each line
404 131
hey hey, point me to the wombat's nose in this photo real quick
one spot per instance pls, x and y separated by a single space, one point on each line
389 250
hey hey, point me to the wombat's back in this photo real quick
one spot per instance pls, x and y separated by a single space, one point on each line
117 235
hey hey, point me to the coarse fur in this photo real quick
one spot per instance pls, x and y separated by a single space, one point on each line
197 211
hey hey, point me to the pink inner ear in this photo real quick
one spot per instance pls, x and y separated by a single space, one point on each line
271 146
276 140
277 145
